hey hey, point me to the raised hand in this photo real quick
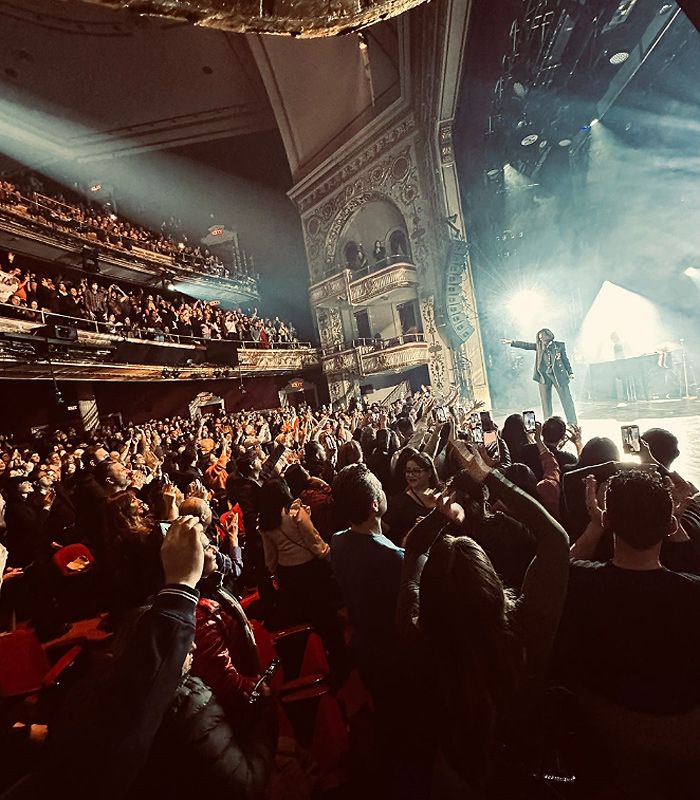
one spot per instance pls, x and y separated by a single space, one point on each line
182 553
231 528
468 457
447 505
595 499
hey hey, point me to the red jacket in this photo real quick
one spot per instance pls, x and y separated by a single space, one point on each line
225 657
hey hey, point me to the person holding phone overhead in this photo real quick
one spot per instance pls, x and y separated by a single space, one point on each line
552 369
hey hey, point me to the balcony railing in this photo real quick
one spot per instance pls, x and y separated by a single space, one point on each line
374 345
368 269
362 286
373 356
42 317
67 231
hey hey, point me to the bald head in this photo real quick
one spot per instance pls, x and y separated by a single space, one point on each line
197 507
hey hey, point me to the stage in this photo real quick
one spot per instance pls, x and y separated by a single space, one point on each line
681 417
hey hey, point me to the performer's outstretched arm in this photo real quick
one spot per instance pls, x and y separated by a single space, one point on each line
521 345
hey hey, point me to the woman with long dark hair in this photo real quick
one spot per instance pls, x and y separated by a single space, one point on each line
132 568
485 650
415 501
514 435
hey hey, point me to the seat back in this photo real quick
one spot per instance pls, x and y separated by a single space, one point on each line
23 663
70 554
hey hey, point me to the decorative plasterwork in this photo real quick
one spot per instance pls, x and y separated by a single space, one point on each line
339 364
330 289
395 358
339 287
439 354
387 169
376 148
445 143
397 276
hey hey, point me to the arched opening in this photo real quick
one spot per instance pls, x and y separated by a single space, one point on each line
398 244
368 237
351 254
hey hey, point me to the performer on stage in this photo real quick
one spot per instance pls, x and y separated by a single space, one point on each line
552 368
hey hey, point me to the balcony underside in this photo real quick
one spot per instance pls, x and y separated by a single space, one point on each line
67 252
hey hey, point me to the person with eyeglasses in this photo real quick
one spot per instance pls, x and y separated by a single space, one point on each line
417 500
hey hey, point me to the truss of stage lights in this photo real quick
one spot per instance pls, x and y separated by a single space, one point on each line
548 42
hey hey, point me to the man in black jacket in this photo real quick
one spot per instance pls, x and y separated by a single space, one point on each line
112 729
552 369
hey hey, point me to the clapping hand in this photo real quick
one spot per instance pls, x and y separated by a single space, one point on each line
198 489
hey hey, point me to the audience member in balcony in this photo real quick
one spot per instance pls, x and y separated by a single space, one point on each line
95 302
361 259
379 253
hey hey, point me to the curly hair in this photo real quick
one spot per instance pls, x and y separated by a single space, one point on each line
639 508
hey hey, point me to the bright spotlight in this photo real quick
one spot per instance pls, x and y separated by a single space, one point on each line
594 121
525 305
619 58
691 272
529 139
564 142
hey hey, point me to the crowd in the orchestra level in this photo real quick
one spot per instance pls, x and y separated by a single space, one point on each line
137 313
459 611
98 224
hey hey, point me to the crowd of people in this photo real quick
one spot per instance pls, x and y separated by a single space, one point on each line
98 224
138 313
523 612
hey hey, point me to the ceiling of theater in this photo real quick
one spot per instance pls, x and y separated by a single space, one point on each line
97 82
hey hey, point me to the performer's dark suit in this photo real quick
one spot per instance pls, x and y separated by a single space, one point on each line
552 368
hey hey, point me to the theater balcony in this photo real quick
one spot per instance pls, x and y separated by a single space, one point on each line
26 232
46 348
376 357
385 280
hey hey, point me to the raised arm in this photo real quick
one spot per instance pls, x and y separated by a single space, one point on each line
520 345
538 609
418 544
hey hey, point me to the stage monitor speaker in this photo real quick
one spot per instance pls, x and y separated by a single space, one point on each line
90 258
56 330
222 352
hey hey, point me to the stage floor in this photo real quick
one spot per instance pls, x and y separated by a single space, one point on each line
681 417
